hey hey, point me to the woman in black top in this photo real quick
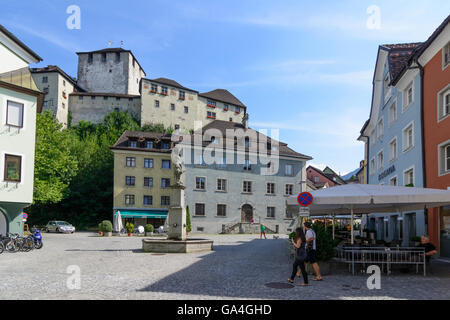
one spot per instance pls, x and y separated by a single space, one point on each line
299 242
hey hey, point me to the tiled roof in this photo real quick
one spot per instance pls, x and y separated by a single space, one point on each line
223 95
20 43
170 82
104 94
122 142
399 55
222 126
52 68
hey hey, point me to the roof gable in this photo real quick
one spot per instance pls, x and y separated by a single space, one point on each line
223 95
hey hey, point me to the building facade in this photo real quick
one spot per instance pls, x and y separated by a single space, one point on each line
233 192
19 102
393 138
142 175
434 57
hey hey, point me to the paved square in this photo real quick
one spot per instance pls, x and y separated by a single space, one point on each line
238 268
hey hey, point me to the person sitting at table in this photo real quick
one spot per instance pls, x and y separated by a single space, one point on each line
430 249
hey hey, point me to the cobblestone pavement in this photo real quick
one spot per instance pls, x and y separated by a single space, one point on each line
238 268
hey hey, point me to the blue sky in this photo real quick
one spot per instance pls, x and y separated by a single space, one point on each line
303 67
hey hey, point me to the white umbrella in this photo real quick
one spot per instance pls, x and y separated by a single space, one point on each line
117 222
369 198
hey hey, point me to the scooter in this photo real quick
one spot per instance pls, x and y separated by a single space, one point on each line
37 237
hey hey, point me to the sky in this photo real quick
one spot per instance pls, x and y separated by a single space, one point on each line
302 67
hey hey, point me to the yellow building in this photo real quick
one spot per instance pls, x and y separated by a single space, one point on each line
142 175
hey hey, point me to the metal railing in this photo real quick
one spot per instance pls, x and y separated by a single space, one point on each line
382 256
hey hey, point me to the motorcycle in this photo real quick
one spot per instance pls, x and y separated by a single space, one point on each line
37 237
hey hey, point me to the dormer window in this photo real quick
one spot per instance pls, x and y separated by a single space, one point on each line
165 145
132 144
149 144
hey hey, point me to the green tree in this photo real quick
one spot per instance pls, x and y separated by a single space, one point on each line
188 220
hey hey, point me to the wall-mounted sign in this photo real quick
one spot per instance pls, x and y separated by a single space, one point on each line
386 172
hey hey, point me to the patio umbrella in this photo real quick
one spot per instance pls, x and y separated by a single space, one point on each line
370 198
117 222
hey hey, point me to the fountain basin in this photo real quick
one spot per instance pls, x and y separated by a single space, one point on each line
176 246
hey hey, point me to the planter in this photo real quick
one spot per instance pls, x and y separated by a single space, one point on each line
100 233
107 234
148 234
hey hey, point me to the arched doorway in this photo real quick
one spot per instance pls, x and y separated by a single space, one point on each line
3 223
246 213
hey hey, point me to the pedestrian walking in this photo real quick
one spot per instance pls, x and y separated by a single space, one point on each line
263 231
299 242
311 250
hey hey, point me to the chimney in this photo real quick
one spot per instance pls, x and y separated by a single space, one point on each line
245 121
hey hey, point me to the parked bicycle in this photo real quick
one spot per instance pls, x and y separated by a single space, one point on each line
9 243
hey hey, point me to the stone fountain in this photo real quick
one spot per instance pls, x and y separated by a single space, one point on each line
177 241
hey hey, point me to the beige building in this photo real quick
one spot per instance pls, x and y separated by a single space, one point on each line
19 102
57 86
168 102
142 175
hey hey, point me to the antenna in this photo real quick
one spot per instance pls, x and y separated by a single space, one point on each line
121 43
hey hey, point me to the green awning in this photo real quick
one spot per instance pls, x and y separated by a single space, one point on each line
157 214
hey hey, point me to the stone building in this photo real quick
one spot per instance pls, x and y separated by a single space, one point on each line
142 175
168 102
110 70
57 86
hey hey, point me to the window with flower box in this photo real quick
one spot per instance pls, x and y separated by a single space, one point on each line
181 95
164 91
211 115
154 88
237 110
225 107
211 104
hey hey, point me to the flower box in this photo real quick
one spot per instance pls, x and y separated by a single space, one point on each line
211 105
181 98
210 117
237 112
153 91
164 94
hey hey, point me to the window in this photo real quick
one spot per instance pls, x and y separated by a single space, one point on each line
221 210
393 150
444 103
105 98
148 163
247 187
165 164
44 79
372 166
14 114
225 107
117 56
380 128
270 212
129 199
447 158
211 103
444 157
238 110
165 183
247 142
154 88
247 165
148 182
130 180
186 109
165 200
393 181
172 106
181 95
408 137
92 97
288 170
132 144
165 145
408 96
392 113
210 115
288 214
133 62
148 200
131 162
64 83
90 57
380 160
164 91
289 190
270 188
117 98
80 97
386 85
13 168
372 137
200 183
149 144
45 104
408 177
200 209
221 185
446 55
156 103
104 57
316 179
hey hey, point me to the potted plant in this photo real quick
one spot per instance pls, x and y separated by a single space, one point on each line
415 241
325 248
149 230
100 229
365 232
129 227
107 228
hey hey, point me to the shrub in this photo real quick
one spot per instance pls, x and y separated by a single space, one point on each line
324 242
188 220
129 227
291 235
105 226
149 228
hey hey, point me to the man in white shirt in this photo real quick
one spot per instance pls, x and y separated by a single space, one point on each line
311 249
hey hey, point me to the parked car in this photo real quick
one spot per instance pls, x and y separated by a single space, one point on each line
60 226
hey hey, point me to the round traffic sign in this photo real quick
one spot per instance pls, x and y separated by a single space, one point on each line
24 215
305 199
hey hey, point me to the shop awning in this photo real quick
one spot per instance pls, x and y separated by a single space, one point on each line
157 214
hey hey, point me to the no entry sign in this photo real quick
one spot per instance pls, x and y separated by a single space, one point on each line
305 199
24 216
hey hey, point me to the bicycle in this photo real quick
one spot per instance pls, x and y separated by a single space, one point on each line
8 243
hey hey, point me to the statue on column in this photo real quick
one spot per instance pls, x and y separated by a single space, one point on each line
178 165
